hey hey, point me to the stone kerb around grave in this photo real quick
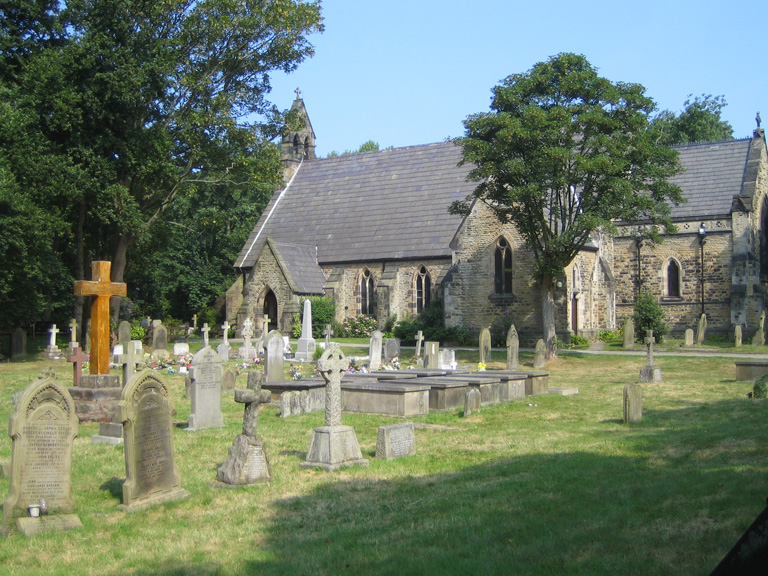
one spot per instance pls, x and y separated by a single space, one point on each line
42 428
152 476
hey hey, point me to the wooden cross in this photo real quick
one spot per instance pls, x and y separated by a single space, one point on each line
131 356
252 397
77 358
328 332
101 287
225 331
419 340
649 342
205 331
331 365
73 331
53 331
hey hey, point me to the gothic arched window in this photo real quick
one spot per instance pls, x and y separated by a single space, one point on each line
672 277
502 276
423 289
367 295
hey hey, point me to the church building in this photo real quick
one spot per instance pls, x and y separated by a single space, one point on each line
372 231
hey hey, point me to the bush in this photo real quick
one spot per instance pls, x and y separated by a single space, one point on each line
406 330
577 340
649 315
360 326
323 313
760 389
499 328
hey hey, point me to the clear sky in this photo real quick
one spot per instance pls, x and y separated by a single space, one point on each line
405 72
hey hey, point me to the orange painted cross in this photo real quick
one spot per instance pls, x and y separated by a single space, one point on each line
101 287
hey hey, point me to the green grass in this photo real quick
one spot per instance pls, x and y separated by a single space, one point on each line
548 485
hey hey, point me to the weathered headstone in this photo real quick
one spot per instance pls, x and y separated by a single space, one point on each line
759 337
484 347
228 380
391 349
43 428
124 332
395 441
18 344
446 359
688 337
305 347
160 342
431 355
540 354
629 334
152 476
513 349
52 351
737 336
374 350
180 348
472 399
633 403
223 351
247 350
274 360
247 461
419 340
333 445
103 289
701 332
650 373
206 390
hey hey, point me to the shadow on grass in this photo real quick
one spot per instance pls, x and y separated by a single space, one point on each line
114 486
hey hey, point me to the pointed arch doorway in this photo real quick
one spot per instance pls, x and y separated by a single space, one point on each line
270 310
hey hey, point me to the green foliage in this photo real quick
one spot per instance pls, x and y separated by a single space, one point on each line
700 121
610 335
406 330
464 335
323 313
577 340
760 389
138 332
431 323
499 329
368 146
360 326
649 315
389 323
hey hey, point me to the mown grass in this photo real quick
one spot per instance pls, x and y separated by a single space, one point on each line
548 485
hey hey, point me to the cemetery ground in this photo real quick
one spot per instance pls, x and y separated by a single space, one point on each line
546 485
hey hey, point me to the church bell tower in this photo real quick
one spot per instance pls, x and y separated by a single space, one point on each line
298 142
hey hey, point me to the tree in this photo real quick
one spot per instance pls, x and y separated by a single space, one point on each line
368 146
565 153
699 121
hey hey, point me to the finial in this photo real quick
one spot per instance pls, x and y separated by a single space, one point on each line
298 94
757 119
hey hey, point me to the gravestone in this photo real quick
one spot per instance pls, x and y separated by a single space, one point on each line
52 351
247 350
160 342
180 348
333 445
513 349
447 359
419 340
701 331
78 358
472 399
42 428
391 349
633 403
131 359
228 381
18 344
205 330
629 334
274 362
305 347
206 391
223 348
73 343
650 373
759 337
124 333
395 441
688 337
485 346
540 354
737 336
328 332
247 461
374 350
431 355
152 476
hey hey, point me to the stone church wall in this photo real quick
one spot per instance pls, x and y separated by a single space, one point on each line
267 274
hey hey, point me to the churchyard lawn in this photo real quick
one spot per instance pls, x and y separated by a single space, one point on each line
548 485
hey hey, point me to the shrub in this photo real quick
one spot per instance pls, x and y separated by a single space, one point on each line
760 389
406 330
577 340
137 330
649 315
323 312
361 326
499 328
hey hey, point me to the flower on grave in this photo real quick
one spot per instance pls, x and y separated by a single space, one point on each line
481 366
171 371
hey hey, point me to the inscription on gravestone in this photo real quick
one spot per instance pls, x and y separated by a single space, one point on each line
395 441
206 390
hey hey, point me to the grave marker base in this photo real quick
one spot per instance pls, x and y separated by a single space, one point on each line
333 447
59 523
155 499
246 463
109 433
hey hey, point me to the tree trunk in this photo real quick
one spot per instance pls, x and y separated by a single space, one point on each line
80 275
548 315
118 269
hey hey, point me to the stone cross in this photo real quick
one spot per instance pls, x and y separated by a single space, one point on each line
131 356
419 340
53 331
77 358
225 330
194 321
649 342
247 330
328 332
73 331
101 287
265 326
252 397
332 365
205 331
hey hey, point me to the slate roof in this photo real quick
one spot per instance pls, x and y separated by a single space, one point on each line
390 204
714 174
299 264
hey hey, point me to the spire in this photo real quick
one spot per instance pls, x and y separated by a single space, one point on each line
298 144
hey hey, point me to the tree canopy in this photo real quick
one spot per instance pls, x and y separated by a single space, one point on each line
564 153
700 121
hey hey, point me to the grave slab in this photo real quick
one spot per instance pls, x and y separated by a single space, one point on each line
404 398
395 441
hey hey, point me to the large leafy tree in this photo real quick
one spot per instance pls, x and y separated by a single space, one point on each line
564 153
700 121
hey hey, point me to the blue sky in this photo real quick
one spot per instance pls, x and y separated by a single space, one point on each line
409 72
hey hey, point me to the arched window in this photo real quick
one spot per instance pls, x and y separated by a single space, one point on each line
296 146
672 277
502 276
423 289
306 147
367 295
